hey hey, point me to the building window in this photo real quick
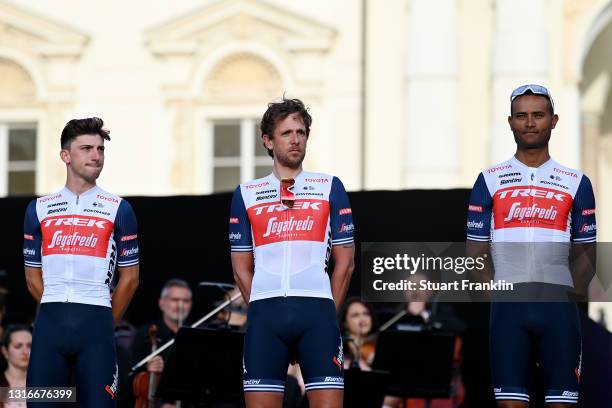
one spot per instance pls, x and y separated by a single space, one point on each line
17 159
239 155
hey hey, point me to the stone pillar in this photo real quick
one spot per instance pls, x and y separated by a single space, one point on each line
520 56
432 134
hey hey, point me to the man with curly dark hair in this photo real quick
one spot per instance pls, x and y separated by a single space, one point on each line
283 229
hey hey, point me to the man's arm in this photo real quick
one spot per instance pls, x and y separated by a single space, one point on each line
583 258
35 282
584 236
475 249
242 265
125 289
344 265
241 245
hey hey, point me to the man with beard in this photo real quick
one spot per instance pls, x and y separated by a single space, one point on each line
73 240
533 213
283 228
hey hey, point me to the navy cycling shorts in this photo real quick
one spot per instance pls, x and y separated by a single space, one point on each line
284 329
79 337
546 332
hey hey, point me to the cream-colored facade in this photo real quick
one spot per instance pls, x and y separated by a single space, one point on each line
414 95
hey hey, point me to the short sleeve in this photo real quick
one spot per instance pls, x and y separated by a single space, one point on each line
239 226
126 235
480 210
32 238
584 227
341 215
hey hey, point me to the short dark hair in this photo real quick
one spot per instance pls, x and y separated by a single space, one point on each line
174 283
77 127
280 110
12 328
550 105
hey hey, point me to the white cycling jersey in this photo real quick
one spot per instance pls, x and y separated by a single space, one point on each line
78 241
291 245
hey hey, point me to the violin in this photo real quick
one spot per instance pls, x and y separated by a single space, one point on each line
145 383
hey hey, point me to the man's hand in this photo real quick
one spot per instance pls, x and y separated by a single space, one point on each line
155 365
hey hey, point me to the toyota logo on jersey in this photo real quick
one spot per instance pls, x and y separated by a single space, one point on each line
306 221
78 235
538 207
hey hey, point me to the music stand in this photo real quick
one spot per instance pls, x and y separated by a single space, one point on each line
420 363
364 389
204 365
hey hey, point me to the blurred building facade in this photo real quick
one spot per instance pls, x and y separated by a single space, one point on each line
404 93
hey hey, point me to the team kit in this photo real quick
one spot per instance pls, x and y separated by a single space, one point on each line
284 229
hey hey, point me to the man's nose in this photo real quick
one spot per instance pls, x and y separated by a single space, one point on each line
530 121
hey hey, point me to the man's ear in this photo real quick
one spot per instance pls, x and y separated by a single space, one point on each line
65 156
267 141
555 119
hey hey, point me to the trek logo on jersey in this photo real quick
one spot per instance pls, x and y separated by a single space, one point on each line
475 208
128 237
306 221
28 237
528 206
76 221
588 228
588 211
303 205
514 192
234 220
77 235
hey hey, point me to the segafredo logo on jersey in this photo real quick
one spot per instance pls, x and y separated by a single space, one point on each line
531 207
306 221
78 235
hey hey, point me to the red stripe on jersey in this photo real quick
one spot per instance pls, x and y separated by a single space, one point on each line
76 235
305 221
531 206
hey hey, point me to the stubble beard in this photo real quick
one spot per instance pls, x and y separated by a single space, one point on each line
285 161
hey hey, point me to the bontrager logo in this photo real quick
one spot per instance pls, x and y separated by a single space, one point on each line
77 222
298 205
533 192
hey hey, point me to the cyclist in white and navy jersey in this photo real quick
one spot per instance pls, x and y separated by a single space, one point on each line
283 228
529 212
73 242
